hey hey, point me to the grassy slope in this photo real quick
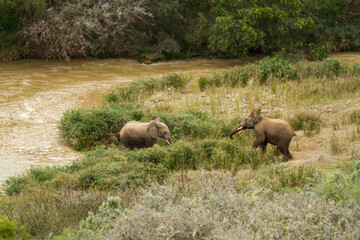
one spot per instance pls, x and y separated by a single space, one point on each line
326 163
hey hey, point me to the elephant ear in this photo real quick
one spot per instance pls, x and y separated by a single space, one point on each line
256 114
152 130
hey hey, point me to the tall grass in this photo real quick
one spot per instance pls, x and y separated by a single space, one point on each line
233 78
148 86
276 67
354 117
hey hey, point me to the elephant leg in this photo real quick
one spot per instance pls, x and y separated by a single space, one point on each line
289 154
263 146
127 145
259 141
284 150
150 142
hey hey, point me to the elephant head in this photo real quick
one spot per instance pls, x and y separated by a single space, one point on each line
156 129
249 121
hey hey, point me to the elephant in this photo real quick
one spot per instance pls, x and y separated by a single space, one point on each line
144 134
274 131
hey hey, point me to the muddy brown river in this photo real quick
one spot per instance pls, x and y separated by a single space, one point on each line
35 93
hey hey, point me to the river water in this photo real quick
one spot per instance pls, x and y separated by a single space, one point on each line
35 93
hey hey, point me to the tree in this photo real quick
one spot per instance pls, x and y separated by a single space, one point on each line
266 25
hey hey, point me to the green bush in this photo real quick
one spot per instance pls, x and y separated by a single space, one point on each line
308 122
342 185
11 230
242 26
108 168
15 185
319 51
355 69
42 174
203 83
330 68
121 174
192 125
276 67
85 128
148 86
16 13
201 154
43 212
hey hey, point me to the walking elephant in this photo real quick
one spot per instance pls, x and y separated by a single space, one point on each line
144 134
274 131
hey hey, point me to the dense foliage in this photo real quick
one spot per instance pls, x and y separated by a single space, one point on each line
230 28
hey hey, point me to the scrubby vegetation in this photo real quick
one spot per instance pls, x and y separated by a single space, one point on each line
211 206
204 185
176 29
279 68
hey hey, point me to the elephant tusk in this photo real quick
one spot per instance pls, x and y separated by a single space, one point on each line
168 142
240 128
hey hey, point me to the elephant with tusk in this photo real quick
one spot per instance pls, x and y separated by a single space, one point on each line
274 131
144 134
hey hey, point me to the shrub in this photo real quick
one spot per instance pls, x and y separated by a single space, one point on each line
85 128
110 168
121 175
319 51
42 174
275 67
201 154
11 230
308 122
342 185
15 185
211 207
354 117
203 83
192 125
335 147
147 86
43 212
356 69
55 35
174 80
17 13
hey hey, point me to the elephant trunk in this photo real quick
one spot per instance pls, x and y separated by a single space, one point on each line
235 131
